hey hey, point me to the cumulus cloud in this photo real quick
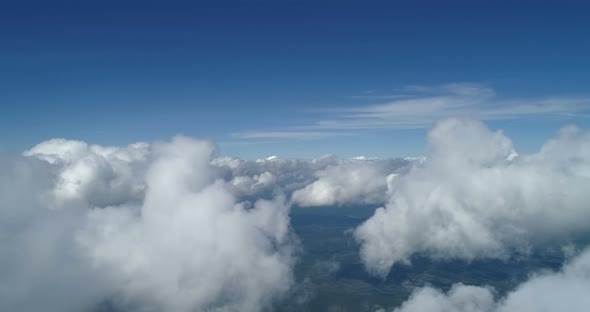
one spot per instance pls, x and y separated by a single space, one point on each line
460 298
269 176
475 197
355 181
164 226
94 175
566 290
178 241
323 181
248 186
98 176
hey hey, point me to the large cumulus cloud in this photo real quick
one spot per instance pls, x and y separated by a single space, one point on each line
146 227
475 197
566 290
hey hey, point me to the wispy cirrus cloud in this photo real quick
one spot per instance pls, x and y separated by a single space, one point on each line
415 107
302 135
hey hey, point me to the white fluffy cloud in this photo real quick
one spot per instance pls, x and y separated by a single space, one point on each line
177 240
460 298
356 181
267 176
162 227
93 175
566 290
41 266
474 197
324 181
97 176
257 184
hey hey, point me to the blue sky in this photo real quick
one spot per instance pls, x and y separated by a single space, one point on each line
290 78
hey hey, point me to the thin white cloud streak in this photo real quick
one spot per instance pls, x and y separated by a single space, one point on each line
453 100
421 106
474 197
300 135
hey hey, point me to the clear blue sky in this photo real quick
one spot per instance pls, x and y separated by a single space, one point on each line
291 78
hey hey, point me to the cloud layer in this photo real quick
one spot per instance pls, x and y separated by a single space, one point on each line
167 227
474 197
